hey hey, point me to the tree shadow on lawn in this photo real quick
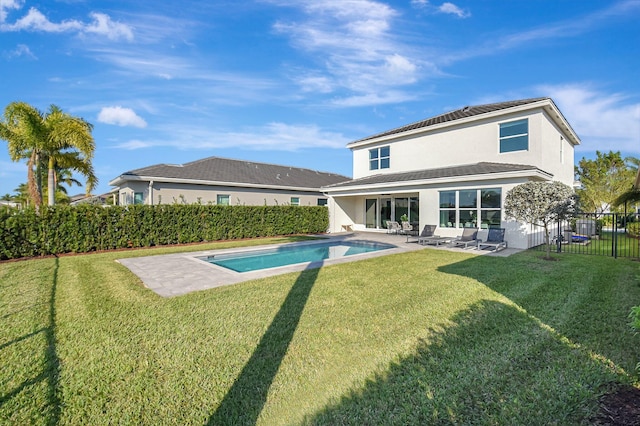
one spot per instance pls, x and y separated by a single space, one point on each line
51 370
494 365
244 402
584 298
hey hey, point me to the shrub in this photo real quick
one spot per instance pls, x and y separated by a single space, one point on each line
85 228
633 229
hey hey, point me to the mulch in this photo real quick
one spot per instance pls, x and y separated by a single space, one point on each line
620 408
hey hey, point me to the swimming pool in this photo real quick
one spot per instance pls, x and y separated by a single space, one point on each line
290 255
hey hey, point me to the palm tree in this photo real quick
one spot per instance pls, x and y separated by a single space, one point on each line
55 139
22 195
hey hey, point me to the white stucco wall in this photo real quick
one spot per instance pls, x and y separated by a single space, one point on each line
351 209
473 142
170 193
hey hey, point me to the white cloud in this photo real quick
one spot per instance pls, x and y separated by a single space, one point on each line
35 20
134 144
571 27
360 49
272 136
602 121
103 25
451 8
20 50
121 117
447 8
391 97
6 5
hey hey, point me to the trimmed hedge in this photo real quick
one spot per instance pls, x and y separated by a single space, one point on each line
85 228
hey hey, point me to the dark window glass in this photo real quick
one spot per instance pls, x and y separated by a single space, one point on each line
490 198
469 198
447 218
520 127
518 143
447 199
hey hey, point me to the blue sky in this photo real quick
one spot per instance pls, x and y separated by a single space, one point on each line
292 82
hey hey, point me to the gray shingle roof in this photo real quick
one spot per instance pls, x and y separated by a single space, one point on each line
468 111
216 169
444 172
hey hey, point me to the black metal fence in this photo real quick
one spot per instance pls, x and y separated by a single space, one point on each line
603 234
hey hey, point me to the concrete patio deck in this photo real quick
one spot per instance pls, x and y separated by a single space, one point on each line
177 274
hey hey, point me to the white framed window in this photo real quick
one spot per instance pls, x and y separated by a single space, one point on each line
379 158
295 201
322 201
222 199
514 136
471 208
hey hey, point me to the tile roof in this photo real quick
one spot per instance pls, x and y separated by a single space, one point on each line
468 111
444 172
216 169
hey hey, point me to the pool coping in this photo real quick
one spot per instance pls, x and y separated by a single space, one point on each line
172 275
177 274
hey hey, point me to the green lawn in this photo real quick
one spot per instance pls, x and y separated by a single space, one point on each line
427 337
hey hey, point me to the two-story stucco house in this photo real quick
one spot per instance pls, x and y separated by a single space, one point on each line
217 180
454 170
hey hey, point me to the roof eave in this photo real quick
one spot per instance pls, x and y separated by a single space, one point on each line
535 174
124 178
547 102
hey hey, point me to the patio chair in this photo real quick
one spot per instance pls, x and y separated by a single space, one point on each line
407 229
393 227
468 238
495 239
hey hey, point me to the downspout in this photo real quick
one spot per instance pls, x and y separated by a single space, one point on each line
150 192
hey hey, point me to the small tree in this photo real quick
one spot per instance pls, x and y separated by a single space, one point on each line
541 203
604 179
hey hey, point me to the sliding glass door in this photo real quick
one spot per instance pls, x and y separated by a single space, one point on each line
371 212
380 210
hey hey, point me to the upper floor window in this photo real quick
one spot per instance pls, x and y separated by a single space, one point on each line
514 136
379 158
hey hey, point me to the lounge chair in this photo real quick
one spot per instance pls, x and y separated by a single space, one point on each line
468 238
427 234
393 227
495 239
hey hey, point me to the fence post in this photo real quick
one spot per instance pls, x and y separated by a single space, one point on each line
559 237
614 237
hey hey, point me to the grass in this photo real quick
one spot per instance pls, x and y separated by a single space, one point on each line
626 246
427 337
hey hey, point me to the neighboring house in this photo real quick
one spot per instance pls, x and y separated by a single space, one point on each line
9 204
216 180
455 169
101 199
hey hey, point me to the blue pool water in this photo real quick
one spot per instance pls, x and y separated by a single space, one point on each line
291 255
